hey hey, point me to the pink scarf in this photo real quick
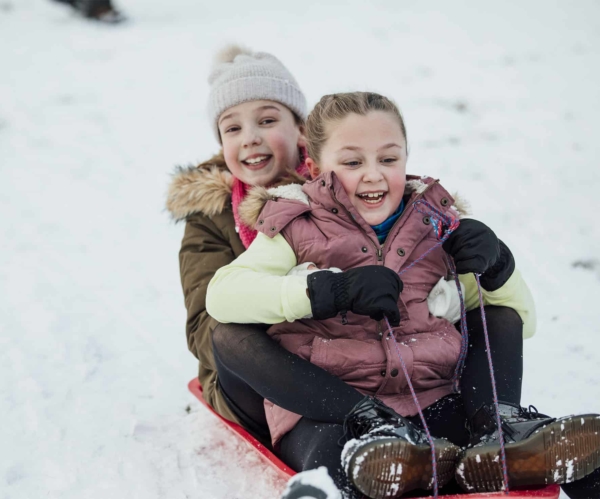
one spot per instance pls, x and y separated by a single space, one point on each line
238 193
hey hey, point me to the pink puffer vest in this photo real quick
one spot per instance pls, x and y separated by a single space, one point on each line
330 233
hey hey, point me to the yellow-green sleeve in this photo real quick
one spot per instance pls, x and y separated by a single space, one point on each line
514 294
254 288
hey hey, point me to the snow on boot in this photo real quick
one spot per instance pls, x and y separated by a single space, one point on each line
311 484
540 450
388 455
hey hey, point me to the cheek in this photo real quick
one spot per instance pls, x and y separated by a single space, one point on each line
230 152
348 181
397 183
282 145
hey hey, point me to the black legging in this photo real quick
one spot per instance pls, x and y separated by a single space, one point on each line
252 367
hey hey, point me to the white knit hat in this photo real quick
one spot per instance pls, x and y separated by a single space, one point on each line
239 75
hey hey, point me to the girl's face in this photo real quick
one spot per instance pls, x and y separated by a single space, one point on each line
260 141
368 155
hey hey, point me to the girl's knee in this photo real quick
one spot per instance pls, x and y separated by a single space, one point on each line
229 336
219 334
505 316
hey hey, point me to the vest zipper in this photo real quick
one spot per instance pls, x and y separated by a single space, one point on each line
378 250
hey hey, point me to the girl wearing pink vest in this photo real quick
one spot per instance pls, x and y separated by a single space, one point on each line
344 267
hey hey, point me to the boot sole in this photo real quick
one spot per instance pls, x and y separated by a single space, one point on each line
388 468
561 452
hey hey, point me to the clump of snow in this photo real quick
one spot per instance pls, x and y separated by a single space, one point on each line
393 490
556 476
570 471
460 470
395 469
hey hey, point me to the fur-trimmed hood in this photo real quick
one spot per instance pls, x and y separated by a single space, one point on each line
205 188
256 199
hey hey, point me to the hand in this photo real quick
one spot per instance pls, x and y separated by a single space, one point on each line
372 290
475 248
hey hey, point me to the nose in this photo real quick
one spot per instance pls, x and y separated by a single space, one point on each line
372 173
251 137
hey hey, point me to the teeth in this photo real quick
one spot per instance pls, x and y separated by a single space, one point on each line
372 197
254 161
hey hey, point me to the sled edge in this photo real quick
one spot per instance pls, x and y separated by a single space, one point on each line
266 455
549 492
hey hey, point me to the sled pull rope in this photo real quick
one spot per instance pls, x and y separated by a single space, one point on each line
443 226
416 401
439 222
496 402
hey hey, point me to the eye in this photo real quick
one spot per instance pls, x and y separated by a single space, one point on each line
354 163
267 121
389 160
232 129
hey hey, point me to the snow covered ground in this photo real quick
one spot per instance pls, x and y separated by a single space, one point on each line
501 101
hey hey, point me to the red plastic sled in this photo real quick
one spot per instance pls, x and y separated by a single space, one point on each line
550 492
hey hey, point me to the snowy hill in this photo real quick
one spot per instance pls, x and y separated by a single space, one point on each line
501 102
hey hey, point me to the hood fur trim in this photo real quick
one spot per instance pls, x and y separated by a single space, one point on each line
290 191
461 205
289 187
417 186
251 207
202 189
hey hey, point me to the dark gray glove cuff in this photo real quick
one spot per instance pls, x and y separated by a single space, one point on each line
328 294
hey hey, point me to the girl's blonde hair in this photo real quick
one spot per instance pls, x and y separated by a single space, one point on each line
335 107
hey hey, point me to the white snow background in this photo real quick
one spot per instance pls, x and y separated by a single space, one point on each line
502 103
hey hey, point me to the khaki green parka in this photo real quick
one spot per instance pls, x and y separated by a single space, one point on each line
201 196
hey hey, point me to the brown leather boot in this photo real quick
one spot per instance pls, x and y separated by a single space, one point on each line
389 456
540 450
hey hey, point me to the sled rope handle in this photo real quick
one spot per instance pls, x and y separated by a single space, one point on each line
496 402
416 401
443 226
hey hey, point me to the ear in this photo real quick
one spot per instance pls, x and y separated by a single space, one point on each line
301 137
313 168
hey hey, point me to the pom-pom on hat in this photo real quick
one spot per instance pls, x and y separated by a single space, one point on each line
240 75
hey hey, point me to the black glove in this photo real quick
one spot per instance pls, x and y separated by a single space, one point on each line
475 248
372 290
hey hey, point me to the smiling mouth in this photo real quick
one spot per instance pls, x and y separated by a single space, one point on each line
372 198
256 162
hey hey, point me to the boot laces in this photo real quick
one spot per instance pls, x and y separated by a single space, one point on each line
358 422
530 413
